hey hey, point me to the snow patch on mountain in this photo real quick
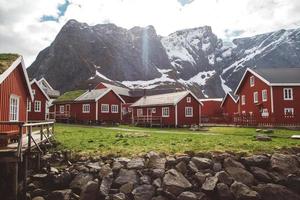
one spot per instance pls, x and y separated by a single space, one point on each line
199 79
224 86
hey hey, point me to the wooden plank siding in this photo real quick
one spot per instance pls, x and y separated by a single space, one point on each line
39 96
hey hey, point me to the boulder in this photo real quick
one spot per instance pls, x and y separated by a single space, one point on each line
117 166
119 196
38 198
256 161
155 161
60 195
127 188
243 192
241 175
38 192
145 179
293 182
230 162
181 167
200 177
224 192
122 160
210 184
284 164
80 181
105 171
263 137
217 167
105 185
136 163
275 192
187 196
223 177
202 163
158 173
89 192
143 192
126 176
174 182
159 198
157 183
261 174
192 167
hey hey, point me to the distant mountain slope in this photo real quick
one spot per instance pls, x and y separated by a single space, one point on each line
194 59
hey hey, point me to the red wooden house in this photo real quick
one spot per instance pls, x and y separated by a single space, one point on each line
171 109
230 107
37 109
15 91
99 105
211 110
270 96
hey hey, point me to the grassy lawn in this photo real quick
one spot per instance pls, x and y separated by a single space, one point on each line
128 141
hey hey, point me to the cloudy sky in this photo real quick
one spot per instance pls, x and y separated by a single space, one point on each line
28 26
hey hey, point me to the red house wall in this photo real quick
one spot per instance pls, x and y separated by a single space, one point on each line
39 96
15 84
78 115
182 119
211 108
229 109
112 99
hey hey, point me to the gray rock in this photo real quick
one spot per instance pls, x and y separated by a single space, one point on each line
143 192
127 188
80 181
261 174
217 167
60 195
181 167
210 184
159 198
96 166
256 161
158 173
119 196
155 161
126 176
243 192
293 182
105 185
263 137
187 196
174 182
275 192
230 162
202 163
157 183
223 177
145 179
200 177
224 192
105 171
117 166
122 160
38 192
241 175
284 164
89 192
192 166
38 198
136 163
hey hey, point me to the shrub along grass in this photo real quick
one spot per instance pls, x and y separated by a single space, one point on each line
130 141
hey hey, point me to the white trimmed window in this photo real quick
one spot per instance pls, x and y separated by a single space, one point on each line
153 110
14 108
139 112
165 112
252 81
37 106
114 108
28 106
288 93
188 111
33 92
86 108
265 112
62 109
188 99
264 95
104 108
243 99
255 97
289 111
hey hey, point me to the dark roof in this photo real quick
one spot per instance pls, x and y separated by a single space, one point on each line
6 59
280 75
236 97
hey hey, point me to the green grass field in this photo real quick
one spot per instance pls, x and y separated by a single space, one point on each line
129 141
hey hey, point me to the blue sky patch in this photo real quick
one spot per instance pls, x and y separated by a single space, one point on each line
61 12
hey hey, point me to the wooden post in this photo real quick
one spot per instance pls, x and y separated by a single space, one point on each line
38 161
41 132
25 168
29 139
15 180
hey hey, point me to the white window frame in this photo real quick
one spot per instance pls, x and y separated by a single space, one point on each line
139 112
188 99
61 109
33 92
114 108
104 108
28 106
265 112
255 97
37 106
86 108
14 108
264 95
252 81
291 93
153 110
243 99
189 112
165 112
291 110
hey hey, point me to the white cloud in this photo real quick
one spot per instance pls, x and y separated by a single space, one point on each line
22 31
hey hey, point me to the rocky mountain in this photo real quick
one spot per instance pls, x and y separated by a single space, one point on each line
195 59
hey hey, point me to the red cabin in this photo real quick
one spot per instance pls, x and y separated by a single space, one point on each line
37 109
15 91
211 111
172 109
230 107
270 96
99 105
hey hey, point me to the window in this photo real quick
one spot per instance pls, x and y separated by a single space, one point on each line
188 100
288 93
114 108
252 81
28 106
104 108
14 108
33 92
189 111
264 95
37 106
139 112
289 111
165 112
243 100
86 108
61 109
255 97
153 110
265 112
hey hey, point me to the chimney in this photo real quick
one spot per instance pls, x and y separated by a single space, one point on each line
144 93
90 87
